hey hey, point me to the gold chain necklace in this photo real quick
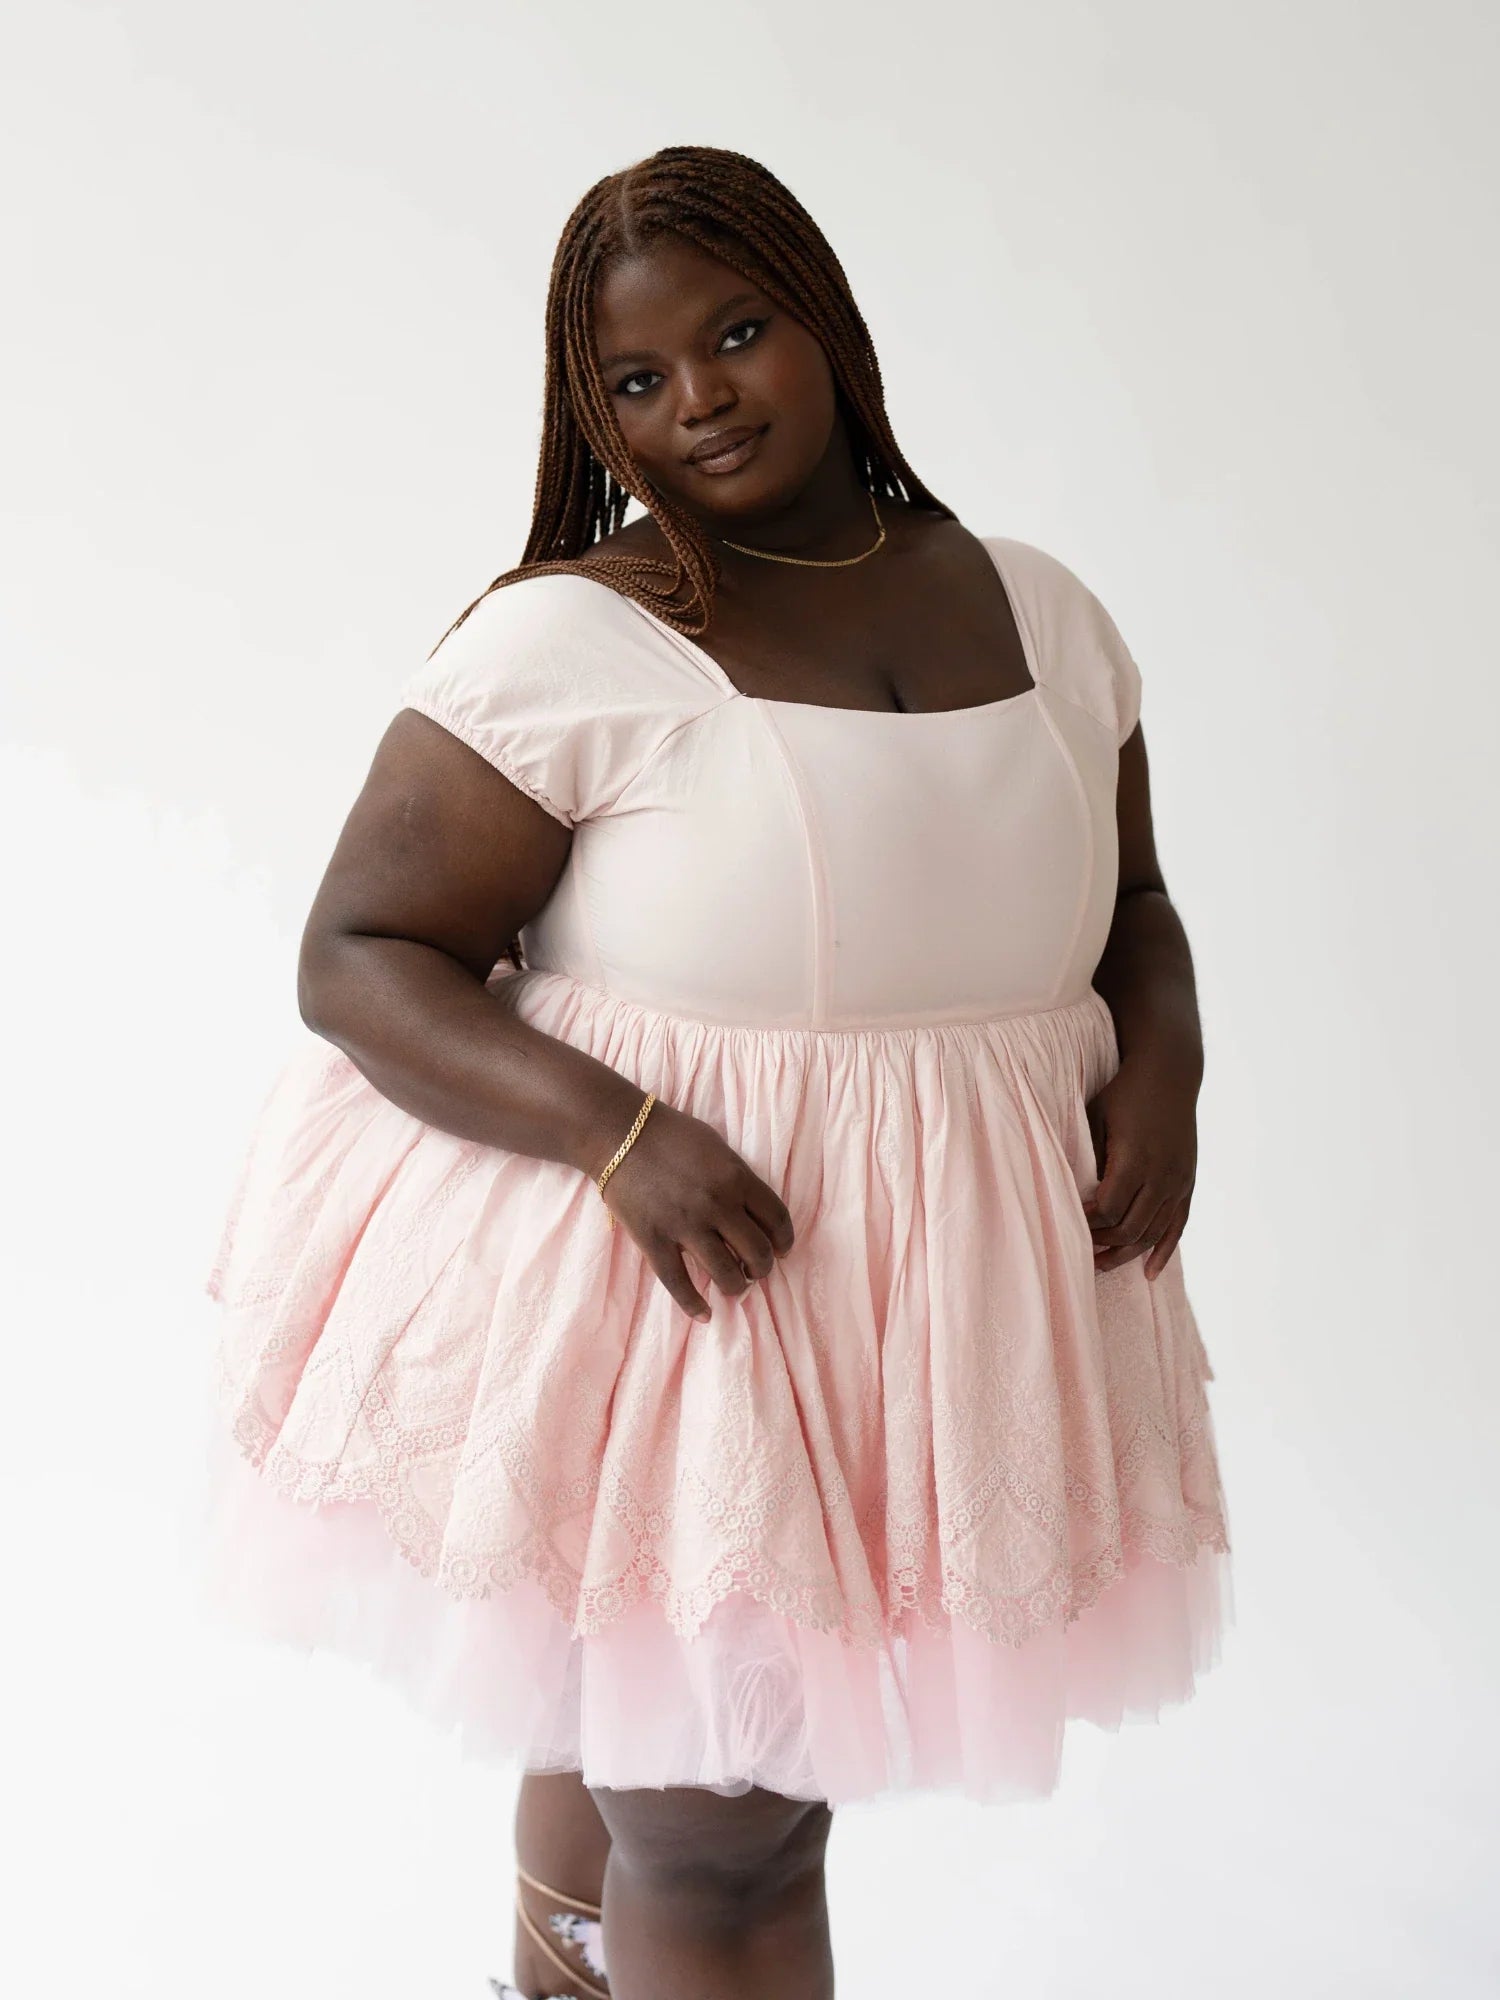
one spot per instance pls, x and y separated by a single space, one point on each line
817 562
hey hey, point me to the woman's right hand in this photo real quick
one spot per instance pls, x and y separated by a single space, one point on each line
681 1186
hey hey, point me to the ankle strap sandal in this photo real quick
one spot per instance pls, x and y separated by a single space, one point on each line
583 1930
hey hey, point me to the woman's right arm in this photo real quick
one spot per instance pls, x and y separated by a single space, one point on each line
439 864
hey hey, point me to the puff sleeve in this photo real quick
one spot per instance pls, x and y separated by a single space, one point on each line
528 682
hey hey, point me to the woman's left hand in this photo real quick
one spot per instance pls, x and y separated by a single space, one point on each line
1145 1131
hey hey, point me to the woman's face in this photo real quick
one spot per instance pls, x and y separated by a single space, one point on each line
689 347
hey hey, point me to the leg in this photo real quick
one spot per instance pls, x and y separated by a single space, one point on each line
561 1841
709 1898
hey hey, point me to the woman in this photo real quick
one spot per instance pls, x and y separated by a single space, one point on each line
771 876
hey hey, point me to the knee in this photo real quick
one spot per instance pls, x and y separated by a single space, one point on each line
727 1859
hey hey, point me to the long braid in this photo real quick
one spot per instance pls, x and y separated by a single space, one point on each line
736 210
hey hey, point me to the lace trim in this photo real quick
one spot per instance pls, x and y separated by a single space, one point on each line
935 1591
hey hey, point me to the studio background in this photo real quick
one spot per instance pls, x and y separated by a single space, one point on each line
1199 298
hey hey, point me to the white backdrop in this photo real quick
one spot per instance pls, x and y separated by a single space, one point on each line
1199 297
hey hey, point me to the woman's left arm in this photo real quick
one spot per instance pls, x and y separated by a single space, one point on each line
1145 1119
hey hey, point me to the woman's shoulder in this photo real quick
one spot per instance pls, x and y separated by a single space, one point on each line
562 685
566 608
574 634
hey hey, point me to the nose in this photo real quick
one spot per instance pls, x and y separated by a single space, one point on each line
704 391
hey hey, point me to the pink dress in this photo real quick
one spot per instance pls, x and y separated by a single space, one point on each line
889 1519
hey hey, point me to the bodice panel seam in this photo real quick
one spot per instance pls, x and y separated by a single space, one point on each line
1086 813
1083 708
819 898
582 904
638 775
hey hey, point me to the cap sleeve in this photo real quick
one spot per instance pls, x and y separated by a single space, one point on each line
555 681
1080 652
1124 677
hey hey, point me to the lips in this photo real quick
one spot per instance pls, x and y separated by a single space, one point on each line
724 446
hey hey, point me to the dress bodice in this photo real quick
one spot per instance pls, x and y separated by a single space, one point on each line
788 864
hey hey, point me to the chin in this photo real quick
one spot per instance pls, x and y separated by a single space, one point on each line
742 504
726 514
744 507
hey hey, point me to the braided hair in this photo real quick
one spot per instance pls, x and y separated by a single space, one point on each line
740 213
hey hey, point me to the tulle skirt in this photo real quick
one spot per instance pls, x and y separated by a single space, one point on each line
885 1522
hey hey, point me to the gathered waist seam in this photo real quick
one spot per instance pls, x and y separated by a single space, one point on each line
1089 999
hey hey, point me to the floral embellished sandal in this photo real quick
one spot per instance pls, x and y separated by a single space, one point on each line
585 1932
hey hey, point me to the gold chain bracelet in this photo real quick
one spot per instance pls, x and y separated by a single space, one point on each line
629 1141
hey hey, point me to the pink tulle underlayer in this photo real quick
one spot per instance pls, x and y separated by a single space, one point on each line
886 1521
753 1698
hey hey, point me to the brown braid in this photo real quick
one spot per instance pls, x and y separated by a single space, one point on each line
736 210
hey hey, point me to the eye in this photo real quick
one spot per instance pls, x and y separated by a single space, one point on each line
739 326
624 388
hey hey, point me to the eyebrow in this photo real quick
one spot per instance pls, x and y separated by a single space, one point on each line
648 354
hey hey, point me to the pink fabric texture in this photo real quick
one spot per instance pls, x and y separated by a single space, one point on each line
891 1518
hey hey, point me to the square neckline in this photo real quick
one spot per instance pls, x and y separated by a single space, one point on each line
1028 652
